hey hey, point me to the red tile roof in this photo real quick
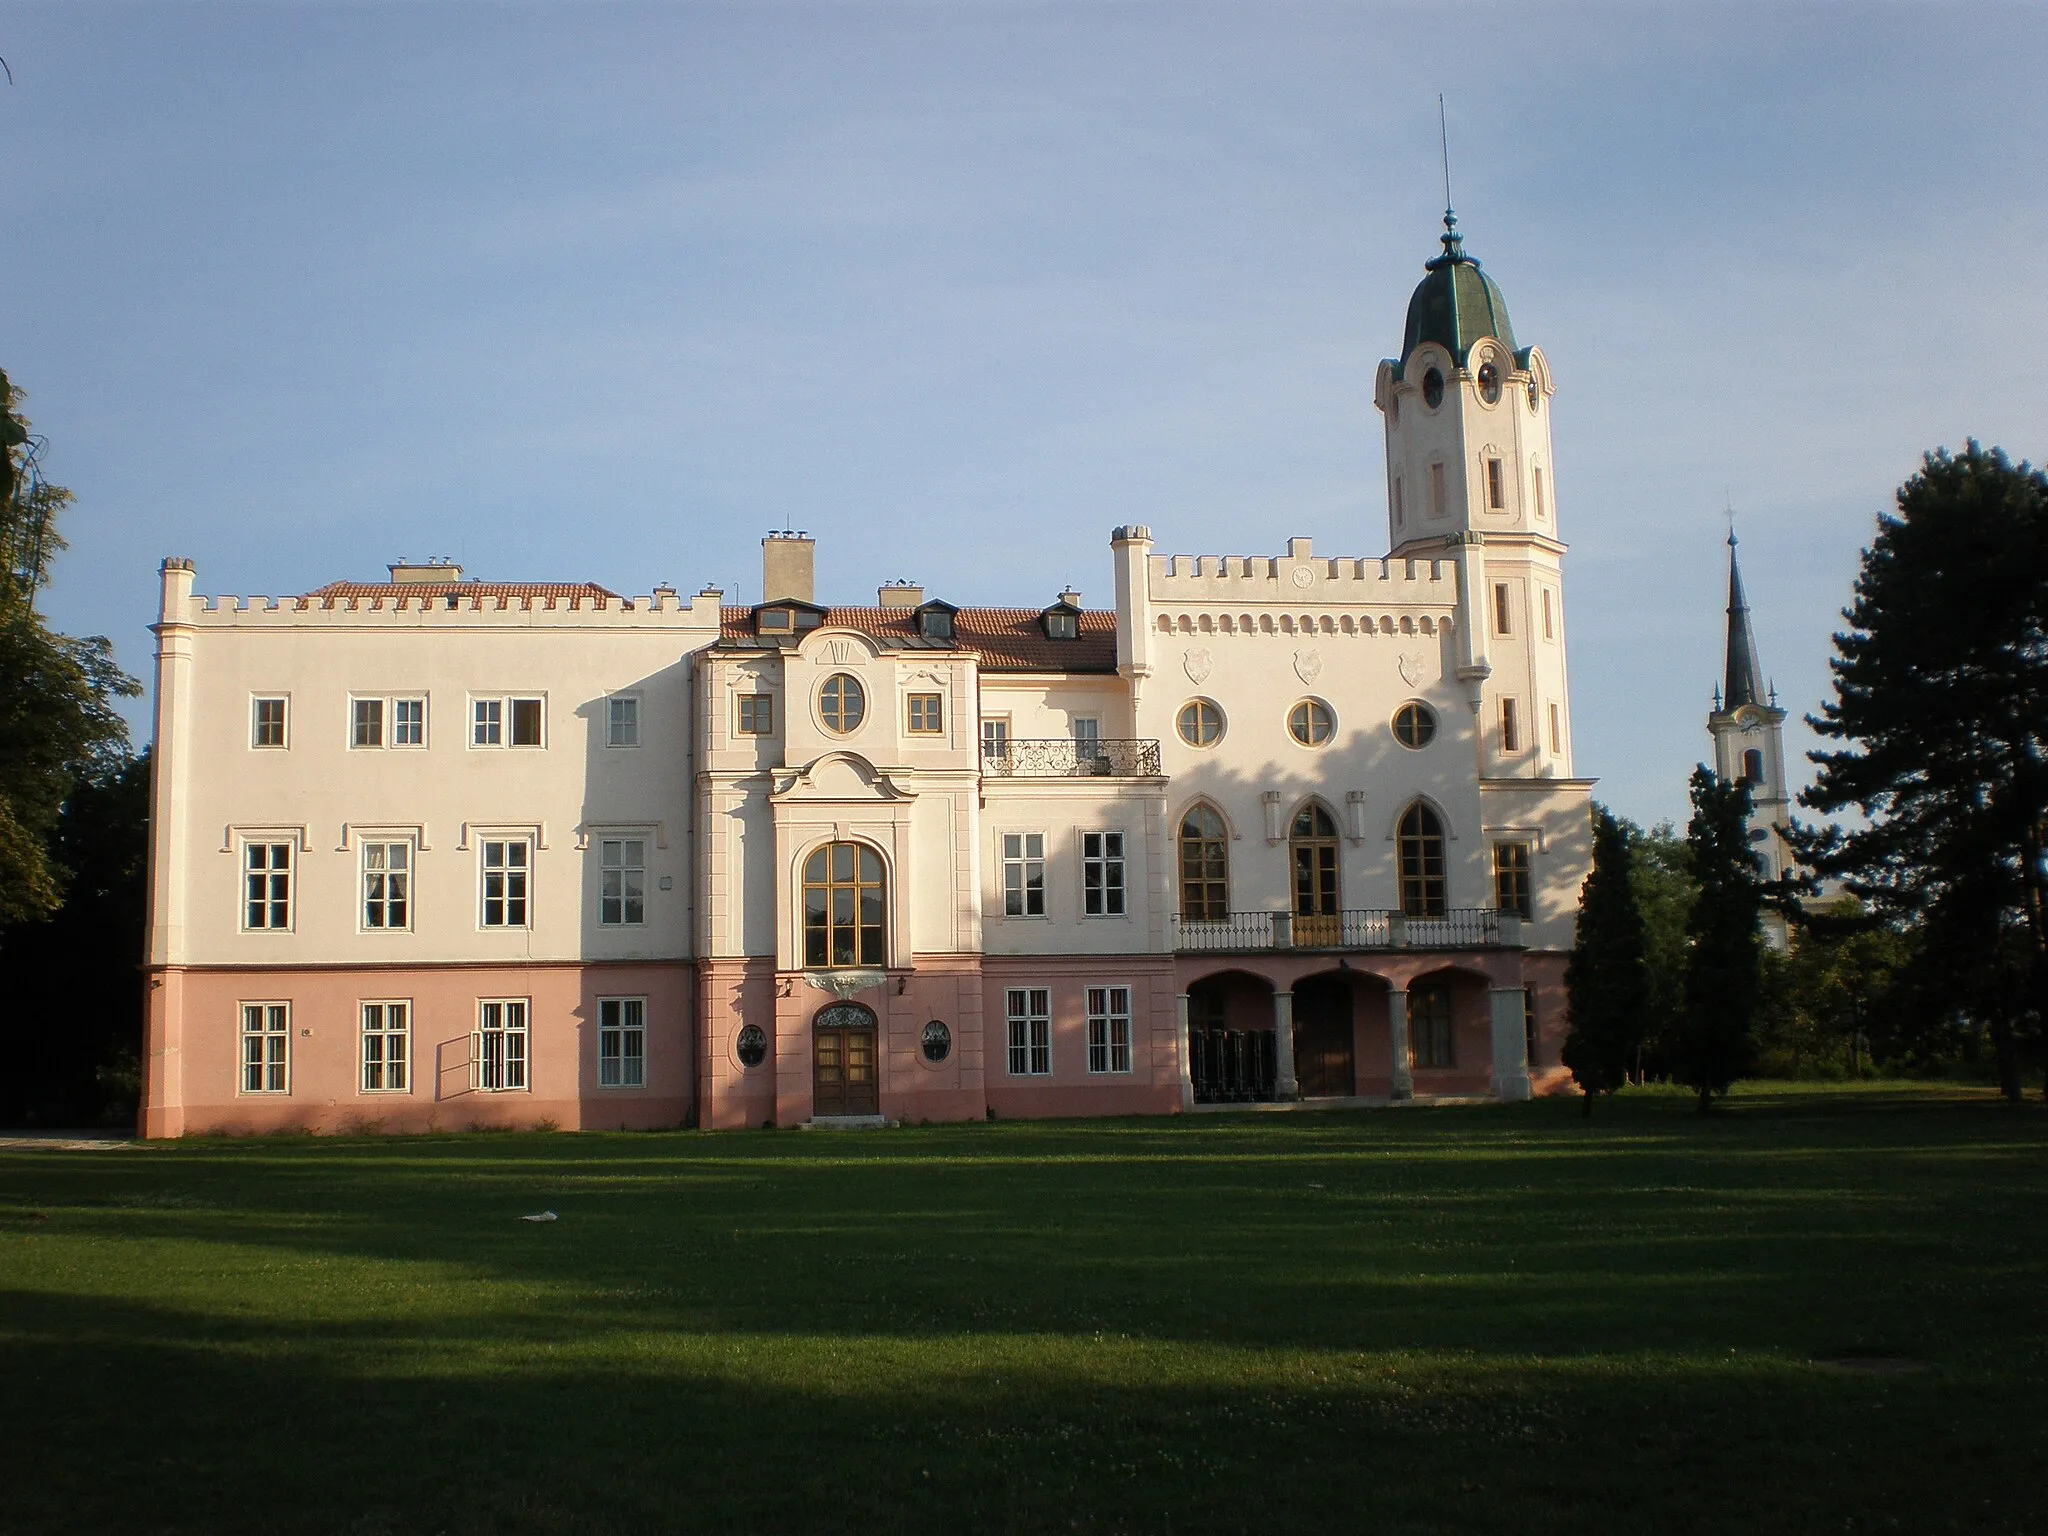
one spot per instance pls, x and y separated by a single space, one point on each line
1006 639
551 594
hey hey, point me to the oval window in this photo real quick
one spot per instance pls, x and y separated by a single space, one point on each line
1200 723
1489 383
1532 392
1311 723
1415 724
936 1041
841 703
1432 389
751 1046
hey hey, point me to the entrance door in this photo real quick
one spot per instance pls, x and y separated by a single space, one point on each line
1314 845
1322 1039
843 1076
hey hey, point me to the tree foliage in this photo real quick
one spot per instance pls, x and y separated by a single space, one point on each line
1724 970
57 718
1941 691
1606 980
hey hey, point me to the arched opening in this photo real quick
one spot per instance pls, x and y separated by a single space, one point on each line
1204 866
1312 852
843 906
1231 1051
1325 1024
1420 837
1752 767
843 1076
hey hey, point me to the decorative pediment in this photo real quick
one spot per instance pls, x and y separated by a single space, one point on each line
838 776
839 648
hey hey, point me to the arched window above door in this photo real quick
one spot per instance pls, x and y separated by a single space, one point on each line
843 907
1420 837
1204 866
1312 851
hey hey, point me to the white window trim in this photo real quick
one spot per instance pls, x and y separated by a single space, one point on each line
639 721
476 1044
482 881
1081 836
254 700
362 1059
387 729
1027 1018
242 1090
1003 862
981 733
239 841
622 836
623 1028
391 741
1108 1016
505 701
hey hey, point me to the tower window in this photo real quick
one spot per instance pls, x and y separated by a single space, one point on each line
1752 767
1540 512
1510 727
1549 623
1489 383
1556 730
1496 485
1436 490
1500 609
1433 389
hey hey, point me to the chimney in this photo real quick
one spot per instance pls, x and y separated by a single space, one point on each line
786 566
1070 597
899 594
439 569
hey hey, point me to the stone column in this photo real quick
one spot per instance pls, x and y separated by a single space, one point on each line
1510 1046
1285 1088
1397 1043
1187 1075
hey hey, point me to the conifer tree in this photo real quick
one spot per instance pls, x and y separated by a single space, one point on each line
1606 980
1724 969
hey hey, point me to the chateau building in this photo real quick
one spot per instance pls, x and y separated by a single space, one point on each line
436 852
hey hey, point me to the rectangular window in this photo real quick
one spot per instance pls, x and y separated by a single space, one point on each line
1429 1027
1028 1011
622 721
487 723
1500 609
507 864
266 885
1087 733
387 885
1511 878
266 722
1023 874
1529 1036
622 1042
368 727
266 1047
622 882
1102 874
408 722
995 737
1437 502
1109 1029
387 1047
757 714
1539 495
1496 485
526 722
1549 619
498 1052
925 719
1510 727
1556 730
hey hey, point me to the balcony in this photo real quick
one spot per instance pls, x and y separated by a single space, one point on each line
1365 928
1060 758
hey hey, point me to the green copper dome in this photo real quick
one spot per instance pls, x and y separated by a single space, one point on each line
1456 303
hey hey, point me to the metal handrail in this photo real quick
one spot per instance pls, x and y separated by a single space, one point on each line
1059 757
1360 928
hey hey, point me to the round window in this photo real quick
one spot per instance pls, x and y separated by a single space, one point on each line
1200 723
1414 724
1432 389
751 1046
841 703
1489 383
937 1041
1311 723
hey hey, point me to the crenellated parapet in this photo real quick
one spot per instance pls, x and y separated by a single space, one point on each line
399 606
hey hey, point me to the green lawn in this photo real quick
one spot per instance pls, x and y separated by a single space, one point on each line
1821 1310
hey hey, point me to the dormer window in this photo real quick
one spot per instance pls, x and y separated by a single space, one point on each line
775 619
1062 623
787 617
935 620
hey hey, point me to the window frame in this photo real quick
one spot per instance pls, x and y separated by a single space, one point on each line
833 926
523 870
384 1033
924 714
274 1054
1425 728
628 1023
1213 877
271 873
1513 878
1194 707
748 712
506 721
996 727
1020 893
1442 1028
1510 726
1496 485
509 1064
404 871
1109 1049
834 716
613 719
625 868
366 709
283 701
1421 862
1308 710
1503 609
1556 728
1105 875
1027 1031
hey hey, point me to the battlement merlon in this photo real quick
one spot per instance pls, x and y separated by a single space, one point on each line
1301 576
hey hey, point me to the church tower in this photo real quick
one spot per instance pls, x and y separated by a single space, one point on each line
1749 738
1467 416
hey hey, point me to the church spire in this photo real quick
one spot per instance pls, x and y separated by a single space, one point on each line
1742 684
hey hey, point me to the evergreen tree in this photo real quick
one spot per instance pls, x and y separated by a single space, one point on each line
1606 980
1941 685
1724 969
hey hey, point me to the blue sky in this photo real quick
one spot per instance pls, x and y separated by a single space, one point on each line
605 291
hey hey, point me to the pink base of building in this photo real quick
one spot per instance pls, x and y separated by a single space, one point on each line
736 1044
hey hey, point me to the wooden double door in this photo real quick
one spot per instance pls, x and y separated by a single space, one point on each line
844 1077
1323 1064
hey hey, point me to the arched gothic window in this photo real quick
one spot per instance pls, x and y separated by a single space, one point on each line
1204 866
1421 840
843 907
1312 845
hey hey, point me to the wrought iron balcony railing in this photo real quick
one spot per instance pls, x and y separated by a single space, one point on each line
1059 758
1364 928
